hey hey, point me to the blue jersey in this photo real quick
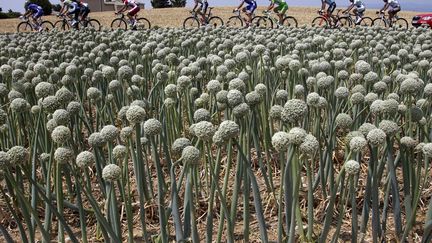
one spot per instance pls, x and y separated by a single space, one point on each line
250 1
34 8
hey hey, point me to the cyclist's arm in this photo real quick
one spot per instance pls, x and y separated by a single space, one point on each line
196 5
27 14
385 7
271 6
241 5
63 10
323 4
349 8
122 9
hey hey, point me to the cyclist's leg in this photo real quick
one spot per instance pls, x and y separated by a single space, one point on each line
359 14
36 19
283 11
248 10
132 13
330 11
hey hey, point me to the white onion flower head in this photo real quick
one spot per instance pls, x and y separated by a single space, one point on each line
297 135
126 133
241 110
19 105
191 155
171 91
135 114
179 144
237 84
120 152
61 117
310 145
4 160
234 98
85 159
17 155
152 127
204 130
276 112
109 132
352 167
282 95
44 89
362 67
408 142
357 144
218 139
357 98
222 96
94 93
389 127
253 98
280 141
111 172
261 89
341 93
294 110
411 86
201 115
376 107
365 128
390 106
312 99
229 129
343 121
214 86
96 140
376 137
427 150
61 134
63 155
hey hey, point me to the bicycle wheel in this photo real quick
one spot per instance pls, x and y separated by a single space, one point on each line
365 22
119 23
344 22
24 27
93 23
262 22
47 25
379 22
319 22
142 24
62 25
191 23
215 22
290 22
400 23
235 22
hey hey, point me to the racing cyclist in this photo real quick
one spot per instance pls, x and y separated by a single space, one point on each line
358 9
280 10
250 8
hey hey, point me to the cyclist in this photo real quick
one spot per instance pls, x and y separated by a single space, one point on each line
331 6
202 9
132 12
85 10
393 7
250 8
36 12
71 8
359 10
280 10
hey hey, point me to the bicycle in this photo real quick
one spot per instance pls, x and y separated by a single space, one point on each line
333 21
350 20
122 23
237 20
27 26
195 21
384 21
269 21
66 22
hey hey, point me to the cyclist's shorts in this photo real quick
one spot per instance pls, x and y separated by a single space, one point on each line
74 8
38 14
361 10
394 9
203 8
282 8
250 8
332 7
85 10
134 10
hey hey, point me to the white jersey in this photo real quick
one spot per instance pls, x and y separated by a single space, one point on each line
358 4
393 3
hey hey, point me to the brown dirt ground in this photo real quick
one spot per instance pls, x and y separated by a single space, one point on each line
174 17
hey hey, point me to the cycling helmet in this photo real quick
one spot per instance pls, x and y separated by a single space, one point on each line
26 4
